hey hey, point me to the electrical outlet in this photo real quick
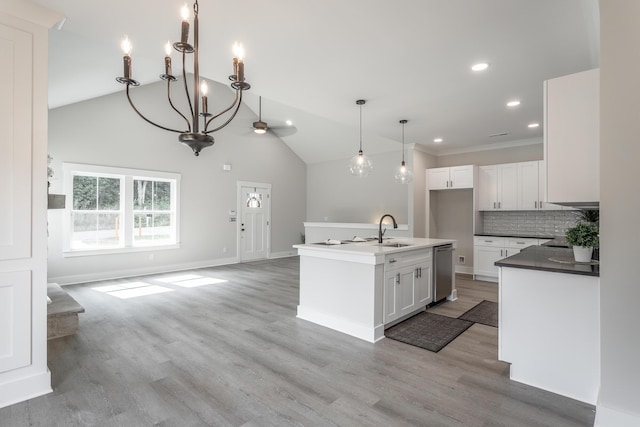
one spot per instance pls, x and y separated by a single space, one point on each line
460 260
224 250
151 257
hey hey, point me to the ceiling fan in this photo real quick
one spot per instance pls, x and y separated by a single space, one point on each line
261 127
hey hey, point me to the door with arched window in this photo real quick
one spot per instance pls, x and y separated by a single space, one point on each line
254 222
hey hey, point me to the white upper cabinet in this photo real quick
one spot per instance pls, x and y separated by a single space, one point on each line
450 178
497 187
571 137
528 188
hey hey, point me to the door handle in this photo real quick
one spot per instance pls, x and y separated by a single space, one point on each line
398 279
535 204
498 205
494 205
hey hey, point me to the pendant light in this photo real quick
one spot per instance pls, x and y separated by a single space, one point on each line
360 165
403 175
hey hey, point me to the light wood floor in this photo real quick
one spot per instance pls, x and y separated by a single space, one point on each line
234 354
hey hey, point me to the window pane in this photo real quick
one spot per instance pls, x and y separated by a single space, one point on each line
142 195
162 196
84 192
95 231
152 229
109 194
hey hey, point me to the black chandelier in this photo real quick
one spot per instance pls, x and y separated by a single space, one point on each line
195 138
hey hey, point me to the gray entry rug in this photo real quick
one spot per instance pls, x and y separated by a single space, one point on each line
485 312
428 330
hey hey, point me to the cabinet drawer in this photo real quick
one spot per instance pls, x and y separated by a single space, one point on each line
489 241
520 243
401 259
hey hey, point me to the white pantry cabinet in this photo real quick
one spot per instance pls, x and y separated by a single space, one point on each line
497 187
407 284
24 30
450 178
572 137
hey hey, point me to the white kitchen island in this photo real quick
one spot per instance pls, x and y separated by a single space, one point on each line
362 288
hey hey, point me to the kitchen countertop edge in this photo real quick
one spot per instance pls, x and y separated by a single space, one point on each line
537 258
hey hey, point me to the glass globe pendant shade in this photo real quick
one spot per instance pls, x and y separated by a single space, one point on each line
360 165
403 175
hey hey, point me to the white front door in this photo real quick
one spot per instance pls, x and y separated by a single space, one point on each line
254 206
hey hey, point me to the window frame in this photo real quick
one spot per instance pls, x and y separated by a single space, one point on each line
128 176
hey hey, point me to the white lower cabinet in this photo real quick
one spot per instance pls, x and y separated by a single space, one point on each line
407 284
487 250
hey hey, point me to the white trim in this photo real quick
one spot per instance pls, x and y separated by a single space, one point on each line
495 146
126 176
77 253
283 254
357 330
156 269
25 388
464 269
607 417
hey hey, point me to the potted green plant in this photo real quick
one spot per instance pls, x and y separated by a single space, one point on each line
583 237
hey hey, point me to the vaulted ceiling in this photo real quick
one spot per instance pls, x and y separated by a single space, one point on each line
311 60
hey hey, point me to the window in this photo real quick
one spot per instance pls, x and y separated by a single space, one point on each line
119 210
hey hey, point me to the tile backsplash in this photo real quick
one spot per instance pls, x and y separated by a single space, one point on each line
543 223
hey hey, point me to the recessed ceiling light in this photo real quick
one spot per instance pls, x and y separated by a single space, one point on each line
480 66
289 122
534 125
513 103
437 140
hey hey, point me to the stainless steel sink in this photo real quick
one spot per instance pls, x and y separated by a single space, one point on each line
394 245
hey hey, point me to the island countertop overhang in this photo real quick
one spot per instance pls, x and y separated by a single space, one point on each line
370 252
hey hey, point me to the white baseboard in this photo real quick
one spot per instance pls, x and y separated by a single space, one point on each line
364 332
283 254
119 274
608 417
25 388
464 269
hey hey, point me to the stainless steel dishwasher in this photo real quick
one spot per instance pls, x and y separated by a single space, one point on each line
442 272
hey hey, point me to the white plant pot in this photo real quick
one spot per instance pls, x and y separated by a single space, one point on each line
582 254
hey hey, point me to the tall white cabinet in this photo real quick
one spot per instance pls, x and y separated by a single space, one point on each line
23 214
572 137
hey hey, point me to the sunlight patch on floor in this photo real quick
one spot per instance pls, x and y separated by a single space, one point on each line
191 280
131 290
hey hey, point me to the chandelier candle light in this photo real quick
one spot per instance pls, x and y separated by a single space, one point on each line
403 175
360 165
192 136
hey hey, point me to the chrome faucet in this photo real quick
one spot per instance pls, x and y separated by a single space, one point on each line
395 225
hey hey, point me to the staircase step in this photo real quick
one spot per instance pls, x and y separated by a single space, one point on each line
62 312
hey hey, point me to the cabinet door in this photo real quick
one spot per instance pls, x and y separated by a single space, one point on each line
438 178
488 188
508 187
407 291
391 295
510 251
572 137
528 186
542 189
424 284
461 176
484 258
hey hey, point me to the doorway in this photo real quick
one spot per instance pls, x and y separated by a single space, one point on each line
254 222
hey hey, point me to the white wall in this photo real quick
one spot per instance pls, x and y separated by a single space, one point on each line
106 131
334 195
619 401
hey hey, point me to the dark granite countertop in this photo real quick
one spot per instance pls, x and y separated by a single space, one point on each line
523 236
537 258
